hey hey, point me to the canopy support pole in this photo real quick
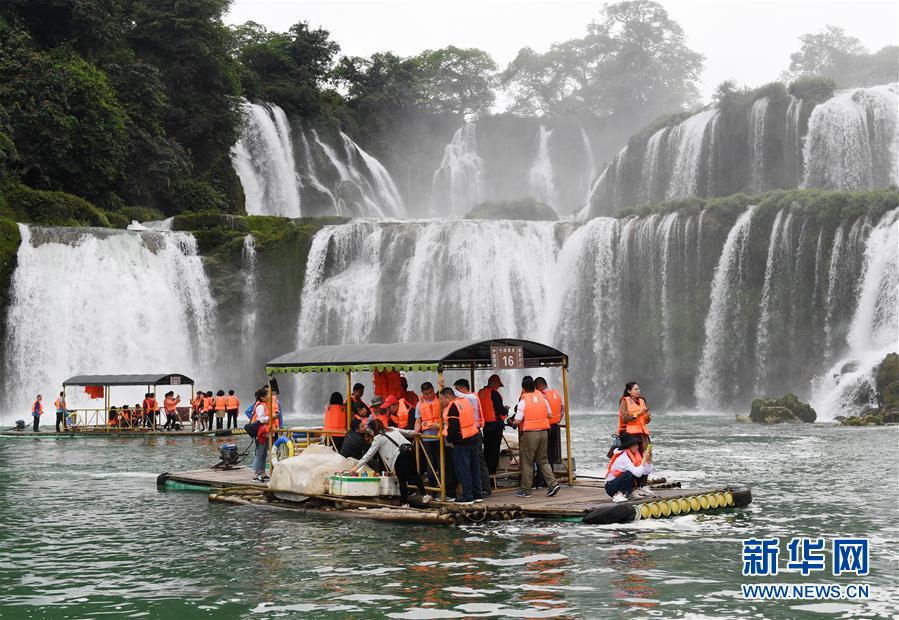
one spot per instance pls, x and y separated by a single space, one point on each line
349 400
567 423
271 416
440 386
474 388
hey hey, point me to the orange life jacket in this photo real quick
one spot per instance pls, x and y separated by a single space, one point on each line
636 459
231 403
169 405
485 398
207 403
535 418
555 405
401 417
58 405
275 404
151 404
637 426
467 422
38 406
411 398
273 420
429 412
335 420
219 403
382 415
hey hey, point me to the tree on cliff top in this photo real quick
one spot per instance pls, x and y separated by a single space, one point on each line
634 64
834 54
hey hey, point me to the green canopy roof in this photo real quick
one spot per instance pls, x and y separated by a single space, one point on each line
154 379
410 356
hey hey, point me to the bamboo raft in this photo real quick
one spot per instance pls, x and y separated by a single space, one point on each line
583 501
102 432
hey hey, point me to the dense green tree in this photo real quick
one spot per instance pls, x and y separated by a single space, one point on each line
838 56
290 68
64 119
457 80
633 64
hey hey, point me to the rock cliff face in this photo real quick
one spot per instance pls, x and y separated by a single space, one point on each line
887 396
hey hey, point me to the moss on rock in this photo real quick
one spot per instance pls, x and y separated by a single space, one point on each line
777 410
524 209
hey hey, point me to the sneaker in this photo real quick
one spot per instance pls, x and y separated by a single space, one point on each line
619 497
406 506
266 477
479 501
426 499
555 489
644 492
523 493
486 493
463 502
258 478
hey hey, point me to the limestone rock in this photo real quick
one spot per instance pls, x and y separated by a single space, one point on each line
777 410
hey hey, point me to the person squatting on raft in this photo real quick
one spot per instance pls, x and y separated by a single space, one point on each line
532 415
628 469
398 455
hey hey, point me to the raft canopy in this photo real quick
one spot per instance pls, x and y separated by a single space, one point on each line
121 380
411 356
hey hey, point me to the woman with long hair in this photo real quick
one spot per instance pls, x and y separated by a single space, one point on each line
633 415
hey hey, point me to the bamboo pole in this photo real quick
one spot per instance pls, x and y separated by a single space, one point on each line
567 423
349 400
440 386
271 416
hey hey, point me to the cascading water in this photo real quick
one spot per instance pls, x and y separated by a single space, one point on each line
540 176
264 162
758 115
849 385
725 324
687 140
652 182
94 301
387 194
852 140
457 185
250 290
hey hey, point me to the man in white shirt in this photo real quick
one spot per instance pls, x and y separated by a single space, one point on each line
626 467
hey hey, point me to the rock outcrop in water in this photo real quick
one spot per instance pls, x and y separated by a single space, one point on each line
778 410
526 209
887 397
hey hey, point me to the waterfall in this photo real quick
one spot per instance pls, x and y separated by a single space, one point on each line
778 276
793 140
101 301
589 161
687 140
852 140
666 240
250 291
849 385
758 114
310 172
725 327
457 185
385 189
264 162
652 181
540 176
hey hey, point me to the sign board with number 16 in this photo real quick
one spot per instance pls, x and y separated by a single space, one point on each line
506 357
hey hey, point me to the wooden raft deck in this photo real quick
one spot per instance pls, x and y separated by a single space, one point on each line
236 486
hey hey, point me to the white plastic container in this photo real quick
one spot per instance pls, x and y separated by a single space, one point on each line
354 486
390 486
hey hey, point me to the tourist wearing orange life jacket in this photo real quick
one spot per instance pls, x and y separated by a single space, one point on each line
427 424
408 395
170 406
232 406
627 468
532 415
150 410
461 388
219 405
554 447
361 411
633 415
261 417
395 451
400 413
197 411
60 406
460 428
208 411
335 420
379 411
37 410
494 411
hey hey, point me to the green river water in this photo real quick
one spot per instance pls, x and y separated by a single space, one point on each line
84 533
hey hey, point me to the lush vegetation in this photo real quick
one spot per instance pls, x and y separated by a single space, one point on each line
523 209
838 56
